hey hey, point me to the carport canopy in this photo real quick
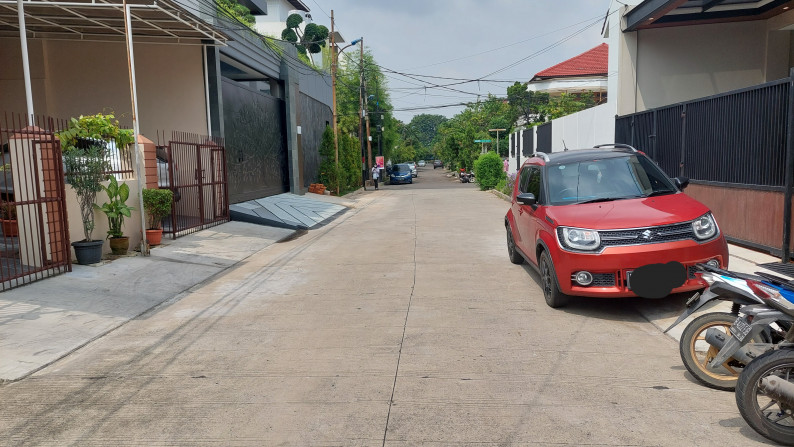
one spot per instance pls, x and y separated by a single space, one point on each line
153 21
664 13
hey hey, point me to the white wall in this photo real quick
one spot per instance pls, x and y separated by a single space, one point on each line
584 129
662 66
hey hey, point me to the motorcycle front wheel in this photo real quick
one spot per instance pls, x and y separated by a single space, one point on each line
696 352
768 416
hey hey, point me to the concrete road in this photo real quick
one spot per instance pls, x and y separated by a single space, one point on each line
401 323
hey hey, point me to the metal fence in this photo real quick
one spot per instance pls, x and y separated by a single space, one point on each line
35 232
739 139
195 169
735 138
544 137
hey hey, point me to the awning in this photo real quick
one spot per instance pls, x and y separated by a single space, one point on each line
153 21
665 13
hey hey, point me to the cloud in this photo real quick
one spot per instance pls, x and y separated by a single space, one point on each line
463 39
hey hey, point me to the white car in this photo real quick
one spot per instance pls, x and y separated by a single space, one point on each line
421 163
412 164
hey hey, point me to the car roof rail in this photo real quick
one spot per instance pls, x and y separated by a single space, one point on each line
616 146
542 155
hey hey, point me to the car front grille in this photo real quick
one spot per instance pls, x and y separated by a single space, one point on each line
639 236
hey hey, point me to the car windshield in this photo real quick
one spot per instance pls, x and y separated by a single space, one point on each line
606 179
402 168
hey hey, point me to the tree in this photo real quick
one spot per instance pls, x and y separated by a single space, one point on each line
312 39
566 104
527 105
425 127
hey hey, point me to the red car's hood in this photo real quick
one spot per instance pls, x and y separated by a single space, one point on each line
629 213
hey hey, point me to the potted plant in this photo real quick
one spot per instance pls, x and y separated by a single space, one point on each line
90 129
116 210
85 170
157 203
8 219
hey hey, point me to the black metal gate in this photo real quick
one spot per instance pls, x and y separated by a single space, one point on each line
197 176
35 232
255 132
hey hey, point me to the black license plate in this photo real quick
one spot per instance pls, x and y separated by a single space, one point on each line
740 328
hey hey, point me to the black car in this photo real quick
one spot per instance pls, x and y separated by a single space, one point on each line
437 164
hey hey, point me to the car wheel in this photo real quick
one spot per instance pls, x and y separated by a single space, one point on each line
551 289
512 251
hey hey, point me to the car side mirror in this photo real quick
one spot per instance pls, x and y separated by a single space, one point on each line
681 182
526 198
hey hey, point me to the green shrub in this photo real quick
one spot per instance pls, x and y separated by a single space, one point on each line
157 203
502 186
489 170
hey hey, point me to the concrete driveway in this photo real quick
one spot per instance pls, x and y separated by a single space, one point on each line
401 323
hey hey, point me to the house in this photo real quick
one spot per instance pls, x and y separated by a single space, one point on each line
196 72
271 20
701 86
586 72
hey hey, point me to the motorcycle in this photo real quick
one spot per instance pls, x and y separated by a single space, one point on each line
765 394
706 348
465 177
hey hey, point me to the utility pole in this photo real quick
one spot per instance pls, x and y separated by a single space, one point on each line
366 112
361 115
334 60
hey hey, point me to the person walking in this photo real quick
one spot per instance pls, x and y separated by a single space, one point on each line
375 175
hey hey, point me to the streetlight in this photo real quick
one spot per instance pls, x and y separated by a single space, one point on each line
497 137
334 61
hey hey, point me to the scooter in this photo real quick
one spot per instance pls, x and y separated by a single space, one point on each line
464 176
765 394
765 389
704 346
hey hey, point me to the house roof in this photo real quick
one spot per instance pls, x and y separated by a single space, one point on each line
298 4
661 13
592 62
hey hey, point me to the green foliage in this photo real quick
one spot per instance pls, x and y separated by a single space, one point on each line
489 170
237 11
294 20
157 203
328 174
85 171
527 105
567 104
97 127
289 35
311 39
116 209
502 186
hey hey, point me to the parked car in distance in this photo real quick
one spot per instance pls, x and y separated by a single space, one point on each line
421 163
437 164
413 168
586 219
401 173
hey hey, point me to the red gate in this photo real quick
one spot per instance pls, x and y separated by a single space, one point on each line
35 232
196 169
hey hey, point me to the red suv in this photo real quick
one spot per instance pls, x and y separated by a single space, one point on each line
586 219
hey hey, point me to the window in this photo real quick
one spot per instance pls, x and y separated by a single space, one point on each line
533 184
522 180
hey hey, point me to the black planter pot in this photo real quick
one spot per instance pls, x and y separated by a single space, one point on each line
88 252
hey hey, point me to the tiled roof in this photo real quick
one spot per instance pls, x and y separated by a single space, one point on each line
590 63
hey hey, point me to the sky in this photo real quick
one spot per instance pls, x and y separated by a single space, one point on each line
492 40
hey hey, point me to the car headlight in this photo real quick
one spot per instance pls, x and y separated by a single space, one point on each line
705 226
580 238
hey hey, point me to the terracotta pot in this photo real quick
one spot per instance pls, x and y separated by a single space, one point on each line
10 228
88 252
119 245
154 237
